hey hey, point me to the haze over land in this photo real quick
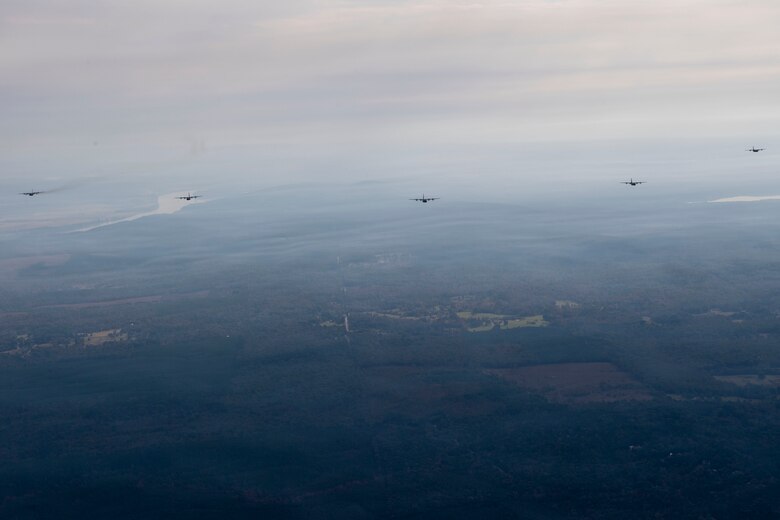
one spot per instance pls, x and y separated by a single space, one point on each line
541 342
502 358
160 97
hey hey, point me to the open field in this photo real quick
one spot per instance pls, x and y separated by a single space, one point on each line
484 322
96 339
393 316
528 321
465 315
330 323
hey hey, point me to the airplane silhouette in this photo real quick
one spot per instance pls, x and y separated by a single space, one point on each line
425 199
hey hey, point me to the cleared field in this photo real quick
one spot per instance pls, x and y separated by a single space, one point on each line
528 321
465 315
393 316
96 339
330 324
576 383
484 322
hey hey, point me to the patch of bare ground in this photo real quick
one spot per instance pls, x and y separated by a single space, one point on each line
96 339
576 383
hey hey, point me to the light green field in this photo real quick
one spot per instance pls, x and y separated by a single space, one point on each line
485 327
96 339
481 316
330 323
393 316
502 321
528 321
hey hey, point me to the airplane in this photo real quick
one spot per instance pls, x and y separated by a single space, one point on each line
632 182
31 193
754 149
425 199
188 197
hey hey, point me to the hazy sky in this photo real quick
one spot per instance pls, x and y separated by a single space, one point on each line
89 82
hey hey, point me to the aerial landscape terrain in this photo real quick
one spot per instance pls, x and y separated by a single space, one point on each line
398 259
454 360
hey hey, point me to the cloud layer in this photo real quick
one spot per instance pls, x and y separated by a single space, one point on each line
322 72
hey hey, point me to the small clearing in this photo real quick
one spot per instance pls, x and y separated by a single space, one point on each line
484 322
101 337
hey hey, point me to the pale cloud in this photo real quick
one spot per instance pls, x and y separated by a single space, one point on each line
342 70
747 198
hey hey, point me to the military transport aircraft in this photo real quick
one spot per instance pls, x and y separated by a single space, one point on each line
188 197
425 199
632 182
31 193
754 149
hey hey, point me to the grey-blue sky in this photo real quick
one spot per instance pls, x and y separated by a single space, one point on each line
332 80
